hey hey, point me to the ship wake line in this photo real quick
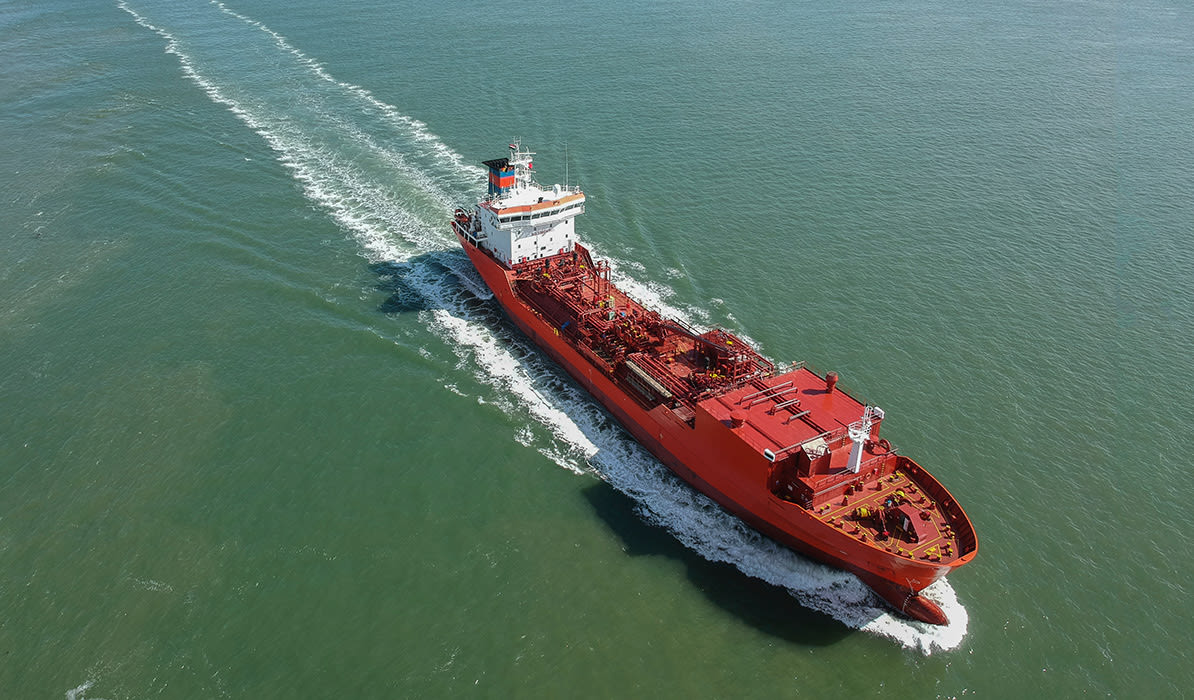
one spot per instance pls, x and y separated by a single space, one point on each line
390 183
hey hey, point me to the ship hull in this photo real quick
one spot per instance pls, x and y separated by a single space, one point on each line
711 458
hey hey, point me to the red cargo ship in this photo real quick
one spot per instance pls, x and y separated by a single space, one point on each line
789 452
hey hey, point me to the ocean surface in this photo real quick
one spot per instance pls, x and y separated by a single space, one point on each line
264 434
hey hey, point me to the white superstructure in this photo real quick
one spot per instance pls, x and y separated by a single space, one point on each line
522 221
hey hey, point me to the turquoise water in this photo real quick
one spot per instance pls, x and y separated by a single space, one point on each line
263 433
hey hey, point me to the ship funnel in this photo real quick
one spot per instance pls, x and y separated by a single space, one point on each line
501 176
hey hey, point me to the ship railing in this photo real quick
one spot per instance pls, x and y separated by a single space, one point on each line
660 373
836 436
472 233
822 483
773 455
717 345
592 356
734 383
548 314
832 438
758 374
840 437
963 531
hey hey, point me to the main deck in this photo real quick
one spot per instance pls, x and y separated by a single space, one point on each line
574 295
889 502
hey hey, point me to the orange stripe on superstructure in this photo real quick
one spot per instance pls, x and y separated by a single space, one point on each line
538 205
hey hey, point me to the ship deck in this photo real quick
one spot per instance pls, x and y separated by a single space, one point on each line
786 410
937 541
774 414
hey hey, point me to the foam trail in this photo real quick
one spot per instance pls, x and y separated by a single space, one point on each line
79 692
390 183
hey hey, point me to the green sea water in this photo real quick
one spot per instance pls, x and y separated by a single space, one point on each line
263 433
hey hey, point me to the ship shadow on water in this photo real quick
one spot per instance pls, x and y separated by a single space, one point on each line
412 285
393 278
768 608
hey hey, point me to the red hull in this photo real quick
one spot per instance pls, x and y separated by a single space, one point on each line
707 450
